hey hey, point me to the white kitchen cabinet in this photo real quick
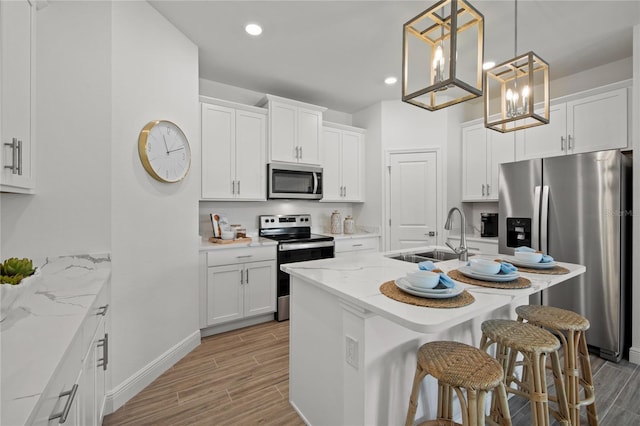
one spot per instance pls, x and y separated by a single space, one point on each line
233 152
295 130
342 163
483 151
357 244
17 106
241 283
77 392
476 245
589 123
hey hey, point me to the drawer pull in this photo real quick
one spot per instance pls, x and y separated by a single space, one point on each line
244 256
104 344
357 245
62 415
102 310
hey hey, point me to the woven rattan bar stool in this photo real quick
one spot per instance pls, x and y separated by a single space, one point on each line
459 367
534 344
570 328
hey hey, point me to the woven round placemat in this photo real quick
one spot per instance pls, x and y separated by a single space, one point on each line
556 270
390 290
521 282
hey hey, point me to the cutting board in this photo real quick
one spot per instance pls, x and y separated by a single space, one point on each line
237 240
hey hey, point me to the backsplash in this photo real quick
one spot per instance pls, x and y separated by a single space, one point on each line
472 214
246 213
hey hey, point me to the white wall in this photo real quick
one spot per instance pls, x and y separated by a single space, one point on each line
154 225
227 92
70 212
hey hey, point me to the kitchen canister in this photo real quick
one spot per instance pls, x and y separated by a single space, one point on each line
336 222
349 225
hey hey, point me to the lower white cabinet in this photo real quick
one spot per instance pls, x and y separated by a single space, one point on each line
356 244
475 246
76 395
241 283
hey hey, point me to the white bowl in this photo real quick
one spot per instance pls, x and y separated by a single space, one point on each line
484 266
423 279
227 235
528 257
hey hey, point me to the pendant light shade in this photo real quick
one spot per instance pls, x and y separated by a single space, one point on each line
517 91
443 51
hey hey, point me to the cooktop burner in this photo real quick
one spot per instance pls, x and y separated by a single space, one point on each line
289 228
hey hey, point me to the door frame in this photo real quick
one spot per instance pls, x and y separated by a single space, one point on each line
440 194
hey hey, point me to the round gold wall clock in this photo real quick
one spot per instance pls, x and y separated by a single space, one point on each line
164 151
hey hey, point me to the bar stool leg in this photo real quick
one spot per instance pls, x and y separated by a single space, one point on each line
563 415
587 381
413 399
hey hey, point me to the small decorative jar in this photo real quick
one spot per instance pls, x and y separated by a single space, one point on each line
336 222
349 225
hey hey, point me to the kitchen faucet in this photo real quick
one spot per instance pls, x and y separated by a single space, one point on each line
463 249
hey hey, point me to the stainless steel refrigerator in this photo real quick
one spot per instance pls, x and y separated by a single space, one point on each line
576 208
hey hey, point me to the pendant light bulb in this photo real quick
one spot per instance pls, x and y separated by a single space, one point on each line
509 95
438 64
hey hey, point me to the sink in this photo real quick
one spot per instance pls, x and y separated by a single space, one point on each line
433 255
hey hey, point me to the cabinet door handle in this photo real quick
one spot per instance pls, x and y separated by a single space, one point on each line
238 187
14 156
569 144
104 344
345 191
297 153
62 415
483 189
300 153
233 186
561 143
488 192
246 276
20 158
102 310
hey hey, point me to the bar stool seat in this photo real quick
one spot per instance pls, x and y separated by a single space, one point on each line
570 327
457 366
534 344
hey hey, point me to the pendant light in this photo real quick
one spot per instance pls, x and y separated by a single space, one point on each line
517 91
443 51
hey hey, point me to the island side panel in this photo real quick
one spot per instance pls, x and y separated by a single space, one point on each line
315 354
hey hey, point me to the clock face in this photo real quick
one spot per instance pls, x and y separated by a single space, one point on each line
164 151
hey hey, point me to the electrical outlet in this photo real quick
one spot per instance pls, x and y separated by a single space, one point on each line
351 351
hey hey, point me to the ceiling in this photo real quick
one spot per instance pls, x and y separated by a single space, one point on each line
337 53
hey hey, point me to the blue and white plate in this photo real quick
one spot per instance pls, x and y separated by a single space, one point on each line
445 293
533 265
499 278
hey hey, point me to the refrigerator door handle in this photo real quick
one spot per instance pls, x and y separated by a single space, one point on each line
544 220
535 226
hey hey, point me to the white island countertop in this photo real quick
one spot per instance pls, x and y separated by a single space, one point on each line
36 335
357 280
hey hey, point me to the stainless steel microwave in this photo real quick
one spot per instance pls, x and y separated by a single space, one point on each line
294 181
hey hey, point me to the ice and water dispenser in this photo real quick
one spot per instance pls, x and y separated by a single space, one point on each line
518 232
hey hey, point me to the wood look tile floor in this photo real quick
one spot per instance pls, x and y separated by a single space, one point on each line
242 378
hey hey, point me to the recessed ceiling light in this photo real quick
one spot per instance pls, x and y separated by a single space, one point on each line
253 29
390 80
488 65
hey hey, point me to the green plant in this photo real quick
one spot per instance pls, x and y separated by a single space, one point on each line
13 270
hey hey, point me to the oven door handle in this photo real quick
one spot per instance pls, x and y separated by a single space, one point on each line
303 246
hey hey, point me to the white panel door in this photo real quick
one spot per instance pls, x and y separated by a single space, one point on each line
218 152
352 165
414 199
309 135
283 123
331 164
547 140
259 288
224 293
598 122
474 162
250 162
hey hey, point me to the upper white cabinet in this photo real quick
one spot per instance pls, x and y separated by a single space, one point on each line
295 130
591 123
233 151
17 67
342 163
483 151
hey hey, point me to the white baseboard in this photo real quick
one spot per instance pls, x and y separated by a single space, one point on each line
126 390
634 355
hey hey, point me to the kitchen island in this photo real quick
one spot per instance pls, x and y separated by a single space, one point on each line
353 349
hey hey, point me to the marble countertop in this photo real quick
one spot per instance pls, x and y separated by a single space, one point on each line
36 335
256 241
356 278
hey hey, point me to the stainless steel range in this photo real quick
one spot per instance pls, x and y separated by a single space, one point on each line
296 243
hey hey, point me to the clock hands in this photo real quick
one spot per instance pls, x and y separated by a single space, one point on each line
174 150
165 144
